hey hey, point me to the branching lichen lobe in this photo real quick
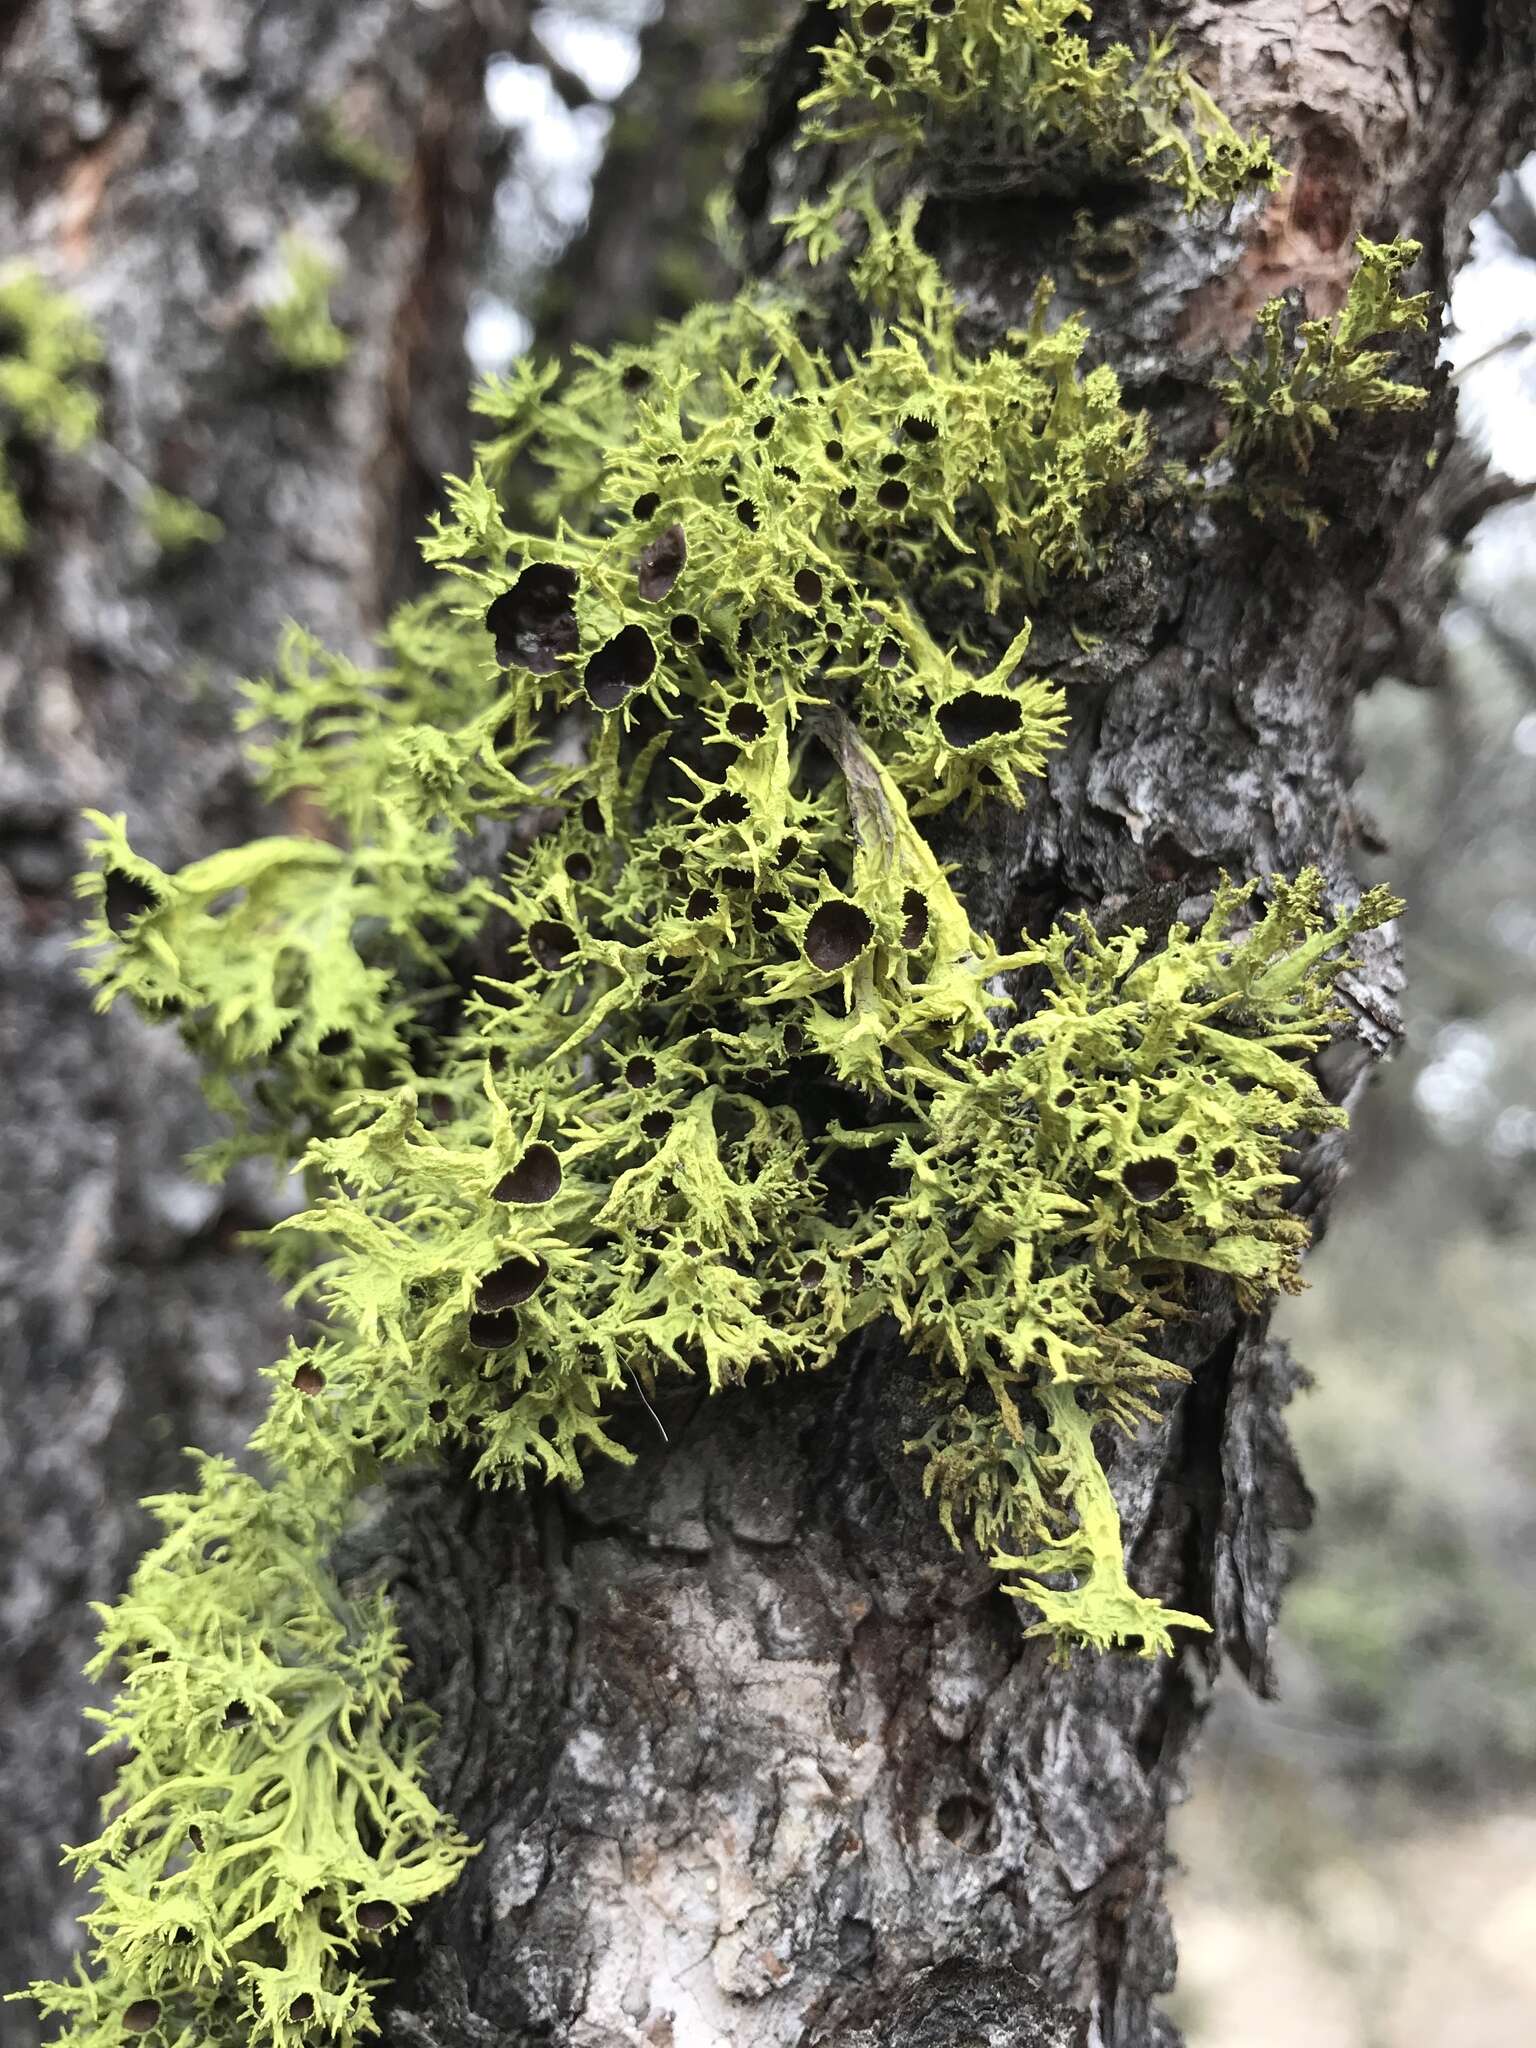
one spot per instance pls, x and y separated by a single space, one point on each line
733 1074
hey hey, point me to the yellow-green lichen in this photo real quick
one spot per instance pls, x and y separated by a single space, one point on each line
352 150
718 678
628 1026
1007 92
269 1825
47 349
178 525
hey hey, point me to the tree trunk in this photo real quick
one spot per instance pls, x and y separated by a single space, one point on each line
152 157
754 1756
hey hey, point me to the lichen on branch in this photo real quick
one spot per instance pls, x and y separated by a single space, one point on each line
998 93
297 316
716 682
269 1820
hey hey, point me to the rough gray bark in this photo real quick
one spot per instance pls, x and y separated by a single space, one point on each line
749 1748
152 152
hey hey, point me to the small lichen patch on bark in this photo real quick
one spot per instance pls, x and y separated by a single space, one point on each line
47 349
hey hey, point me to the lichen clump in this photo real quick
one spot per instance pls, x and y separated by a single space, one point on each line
179 525
269 1819
628 1026
1000 93
1305 376
729 1072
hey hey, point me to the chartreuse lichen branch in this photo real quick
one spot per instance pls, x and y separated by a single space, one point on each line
47 349
177 525
298 315
269 1823
629 1027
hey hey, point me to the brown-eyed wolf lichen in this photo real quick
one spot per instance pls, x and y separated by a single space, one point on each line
627 1024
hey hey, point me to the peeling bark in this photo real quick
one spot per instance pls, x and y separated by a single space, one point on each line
152 152
751 1750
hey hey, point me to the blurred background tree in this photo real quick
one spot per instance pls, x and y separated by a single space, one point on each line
529 177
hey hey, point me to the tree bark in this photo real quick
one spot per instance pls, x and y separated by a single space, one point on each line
751 1751
152 155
